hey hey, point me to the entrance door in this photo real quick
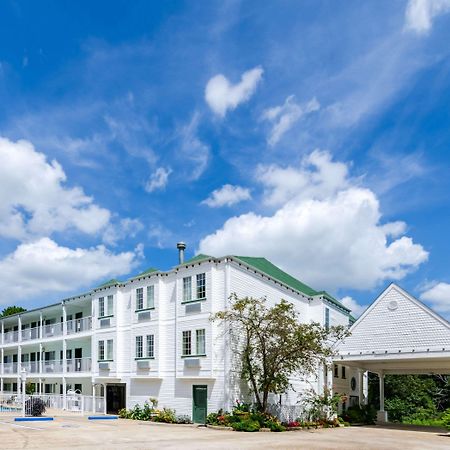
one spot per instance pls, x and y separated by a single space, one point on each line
115 398
199 403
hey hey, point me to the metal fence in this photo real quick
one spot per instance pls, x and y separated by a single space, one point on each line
48 404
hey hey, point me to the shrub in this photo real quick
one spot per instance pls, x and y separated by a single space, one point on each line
183 419
274 425
165 415
445 419
35 407
124 413
246 425
357 414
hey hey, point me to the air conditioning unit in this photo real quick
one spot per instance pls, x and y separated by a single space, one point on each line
103 365
193 308
192 363
144 316
143 364
104 323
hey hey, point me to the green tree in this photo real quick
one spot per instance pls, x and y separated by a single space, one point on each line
272 344
10 310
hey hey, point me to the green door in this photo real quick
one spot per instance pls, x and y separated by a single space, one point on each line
199 403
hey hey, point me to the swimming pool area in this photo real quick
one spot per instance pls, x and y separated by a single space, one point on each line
4 408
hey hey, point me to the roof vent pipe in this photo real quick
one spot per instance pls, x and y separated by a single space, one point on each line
181 246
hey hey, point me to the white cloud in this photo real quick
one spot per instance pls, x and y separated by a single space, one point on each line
42 267
125 228
317 177
327 231
439 297
353 306
158 179
222 96
419 14
285 116
194 152
227 195
34 200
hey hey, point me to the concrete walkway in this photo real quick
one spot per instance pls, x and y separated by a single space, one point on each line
79 433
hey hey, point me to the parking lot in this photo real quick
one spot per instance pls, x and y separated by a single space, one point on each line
79 433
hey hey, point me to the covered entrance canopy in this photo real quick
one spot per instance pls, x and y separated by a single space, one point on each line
397 334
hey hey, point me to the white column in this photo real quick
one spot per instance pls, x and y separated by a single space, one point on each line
19 337
1 385
330 379
64 383
2 361
361 387
93 398
3 333
41 326
382 414
366 387
64 319
19 359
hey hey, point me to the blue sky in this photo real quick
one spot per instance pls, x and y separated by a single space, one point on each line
313 133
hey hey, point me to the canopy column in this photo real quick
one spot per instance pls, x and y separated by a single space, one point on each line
382 415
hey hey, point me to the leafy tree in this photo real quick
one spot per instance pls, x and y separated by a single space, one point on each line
10 310
273 345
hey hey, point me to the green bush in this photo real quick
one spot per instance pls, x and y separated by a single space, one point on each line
183 419
165 415
246 425
357 414
274 425
445 419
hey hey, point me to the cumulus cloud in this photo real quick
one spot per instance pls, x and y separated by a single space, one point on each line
438 295
227 195
42 266
158 179
123 229
353 306
222 96
419 14
34 200
327 229
285 116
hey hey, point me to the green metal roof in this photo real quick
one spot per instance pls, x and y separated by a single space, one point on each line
263 265
196 258
145 273
111 282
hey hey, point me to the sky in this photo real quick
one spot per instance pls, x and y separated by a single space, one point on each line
314 133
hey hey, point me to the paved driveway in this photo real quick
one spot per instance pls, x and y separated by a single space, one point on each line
79 433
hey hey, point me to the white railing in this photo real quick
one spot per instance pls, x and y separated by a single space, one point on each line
54 329
79 325
11 336
10 367
10 403
30 333
15 403
31 366
79 365
52 366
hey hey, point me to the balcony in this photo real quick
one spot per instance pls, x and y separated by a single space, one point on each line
53 330
11 337
79 325
10 368
30 333
31 366
79 365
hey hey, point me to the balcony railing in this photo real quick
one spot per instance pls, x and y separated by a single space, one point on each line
10 367
11 336
54 329
79 365
79 325
30 333
31 366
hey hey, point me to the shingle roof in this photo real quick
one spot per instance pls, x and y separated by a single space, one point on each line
111 282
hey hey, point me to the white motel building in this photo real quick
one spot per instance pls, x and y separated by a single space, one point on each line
151 336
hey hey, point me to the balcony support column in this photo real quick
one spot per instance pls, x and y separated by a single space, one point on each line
2 363
64 319
19 335
41 357
3 334
1 385
41 326
64 393
64 358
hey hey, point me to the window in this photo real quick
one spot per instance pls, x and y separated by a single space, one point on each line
186 343
110 349
200 342
106 352
336 371
139 347
101 307
187 289
150 296
201 285
110 305
101 350
139 298
150 345
343 372
327 318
